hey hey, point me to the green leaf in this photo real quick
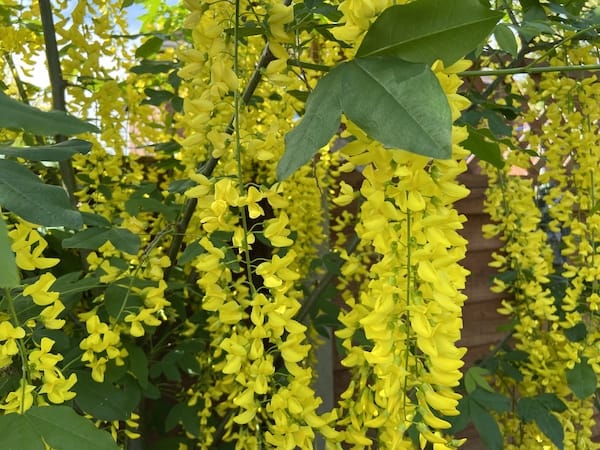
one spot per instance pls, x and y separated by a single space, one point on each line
530 29
93 238
56 152
71 286
157 97
410 93
426 30
577 332
506 39
551 402
95 220
497 123
298 95
23 193
149 48
581 379
490 400
153 67
552 428
530 407
138 364
475 377
9 275
486 427
184 414
19 434
14 114
536 409
192 250
107 401
320 122
389 87
58 426
460 421
118 299
486 150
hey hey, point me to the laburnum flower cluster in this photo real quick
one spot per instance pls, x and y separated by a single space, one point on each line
229 308
261 382
409 305
548 263
42 380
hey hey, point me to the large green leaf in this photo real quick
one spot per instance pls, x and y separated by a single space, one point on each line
107 401
94 237
486 426
58 426
23 193
403 105
398 103
56 152
321 121
9 275
14 114
582 379
426 30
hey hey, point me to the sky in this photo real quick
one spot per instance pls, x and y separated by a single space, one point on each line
39 75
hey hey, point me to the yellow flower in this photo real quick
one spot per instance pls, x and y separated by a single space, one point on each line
20 400
56 387
39 291
42 359
279 16
9 333
276 272
143 316
276 231
346 195
251 200
28 246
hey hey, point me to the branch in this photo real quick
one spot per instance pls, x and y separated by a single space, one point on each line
528 70
209 166
324 283
57 84
18 82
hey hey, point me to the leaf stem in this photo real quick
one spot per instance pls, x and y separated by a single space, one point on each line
238 148
22 352
561 42
528 70
307 65
408 306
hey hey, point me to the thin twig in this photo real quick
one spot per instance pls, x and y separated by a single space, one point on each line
208 167
529 70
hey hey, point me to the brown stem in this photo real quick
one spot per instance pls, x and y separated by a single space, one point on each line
57 84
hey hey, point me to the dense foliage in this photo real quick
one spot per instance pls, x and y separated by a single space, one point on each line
191 211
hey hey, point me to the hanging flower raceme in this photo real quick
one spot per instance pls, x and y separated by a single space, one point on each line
406 364
548 262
